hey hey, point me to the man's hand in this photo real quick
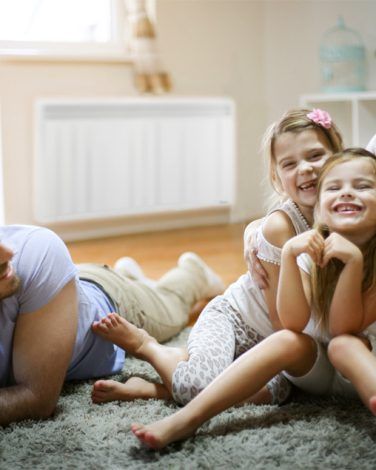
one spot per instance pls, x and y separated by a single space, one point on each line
42 348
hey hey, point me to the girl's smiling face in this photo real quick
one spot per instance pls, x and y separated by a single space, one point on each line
298 160
347 203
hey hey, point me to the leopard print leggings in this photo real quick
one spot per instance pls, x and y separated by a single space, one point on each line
216 340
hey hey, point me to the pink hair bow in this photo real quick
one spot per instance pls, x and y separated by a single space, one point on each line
320 117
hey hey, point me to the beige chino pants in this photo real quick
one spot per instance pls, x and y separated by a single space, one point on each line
163 310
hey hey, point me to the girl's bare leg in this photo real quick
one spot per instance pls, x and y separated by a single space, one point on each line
262 397
284 350
352 357
135 387
140 344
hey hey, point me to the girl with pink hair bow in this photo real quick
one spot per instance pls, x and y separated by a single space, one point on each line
296 147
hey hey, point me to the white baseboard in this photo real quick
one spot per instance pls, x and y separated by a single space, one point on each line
155 222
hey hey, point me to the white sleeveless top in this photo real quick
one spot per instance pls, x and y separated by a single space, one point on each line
244 295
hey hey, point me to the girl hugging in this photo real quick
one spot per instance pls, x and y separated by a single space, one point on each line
326 303
337 280
296 147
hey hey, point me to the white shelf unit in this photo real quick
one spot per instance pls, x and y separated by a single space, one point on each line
354 114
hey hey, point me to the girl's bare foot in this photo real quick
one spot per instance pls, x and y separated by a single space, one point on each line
161 433
372 404
124 334
135 387
140 344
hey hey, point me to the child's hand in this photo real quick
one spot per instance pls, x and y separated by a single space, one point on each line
310 242
258 273
339 247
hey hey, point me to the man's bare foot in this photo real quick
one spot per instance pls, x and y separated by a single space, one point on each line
124 334
372 404
135 387
161 433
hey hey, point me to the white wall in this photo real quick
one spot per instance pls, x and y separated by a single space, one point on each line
293 32
264 54
215 48
20 84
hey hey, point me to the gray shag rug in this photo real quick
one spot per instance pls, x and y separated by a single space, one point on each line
305 434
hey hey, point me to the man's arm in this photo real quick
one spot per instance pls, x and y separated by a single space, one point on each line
42 348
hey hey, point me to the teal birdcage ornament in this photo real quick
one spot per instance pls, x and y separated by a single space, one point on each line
342 60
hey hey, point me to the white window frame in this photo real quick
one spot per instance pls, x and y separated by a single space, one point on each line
117 50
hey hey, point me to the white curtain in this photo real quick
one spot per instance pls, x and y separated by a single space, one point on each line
149 74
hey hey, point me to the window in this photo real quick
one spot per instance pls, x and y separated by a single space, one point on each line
81 29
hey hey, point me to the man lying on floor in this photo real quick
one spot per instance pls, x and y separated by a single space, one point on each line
48 305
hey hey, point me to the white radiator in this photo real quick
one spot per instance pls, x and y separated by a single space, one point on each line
110 158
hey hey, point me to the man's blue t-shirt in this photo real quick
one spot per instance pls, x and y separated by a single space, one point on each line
93 356
44 266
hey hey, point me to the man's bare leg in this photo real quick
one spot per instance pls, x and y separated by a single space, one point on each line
352 357
140 344
284 350
109 390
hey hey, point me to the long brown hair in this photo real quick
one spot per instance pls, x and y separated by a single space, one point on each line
324 280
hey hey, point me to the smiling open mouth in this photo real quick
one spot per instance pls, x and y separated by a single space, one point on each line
307 186
347 208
